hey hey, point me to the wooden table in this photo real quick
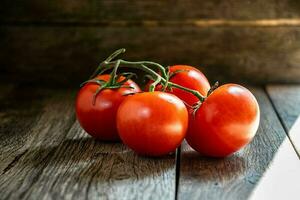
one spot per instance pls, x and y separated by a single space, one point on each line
44 154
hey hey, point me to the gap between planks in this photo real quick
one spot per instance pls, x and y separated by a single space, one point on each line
177 170
281 122
284 107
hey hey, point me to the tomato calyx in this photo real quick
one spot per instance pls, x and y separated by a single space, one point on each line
112 83
197 105
169 76
167 86
212 88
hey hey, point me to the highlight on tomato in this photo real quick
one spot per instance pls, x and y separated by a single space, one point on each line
152 123
97 103
188 77
225 122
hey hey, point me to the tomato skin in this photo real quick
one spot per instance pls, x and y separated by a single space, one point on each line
191 78
152 123
225 122
99 120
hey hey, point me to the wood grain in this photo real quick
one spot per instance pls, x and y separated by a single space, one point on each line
239 176
108 10
23 117
286 99
59 161
240 54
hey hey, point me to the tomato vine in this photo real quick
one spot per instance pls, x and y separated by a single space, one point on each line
162 78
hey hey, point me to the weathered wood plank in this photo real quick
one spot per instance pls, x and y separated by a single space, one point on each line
240 176
95 10
23 109
286 99
65 163
240 54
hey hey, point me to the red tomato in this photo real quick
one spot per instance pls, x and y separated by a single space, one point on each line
189 77
152 123
99 120
225 122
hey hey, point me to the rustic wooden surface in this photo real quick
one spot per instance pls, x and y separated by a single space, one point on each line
44 154
286 99
238 176
95 10
239 54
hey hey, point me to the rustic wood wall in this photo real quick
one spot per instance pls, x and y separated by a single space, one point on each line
60 41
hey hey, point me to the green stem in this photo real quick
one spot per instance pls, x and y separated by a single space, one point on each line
115 54
163 78
194 92
160 67
106 61
113 76
158 78
157 81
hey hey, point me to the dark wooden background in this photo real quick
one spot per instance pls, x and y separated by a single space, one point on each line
59 42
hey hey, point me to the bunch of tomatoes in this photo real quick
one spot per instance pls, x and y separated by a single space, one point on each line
177 103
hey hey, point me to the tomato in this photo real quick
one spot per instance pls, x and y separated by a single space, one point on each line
99 119
152 123
225 122
188 77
